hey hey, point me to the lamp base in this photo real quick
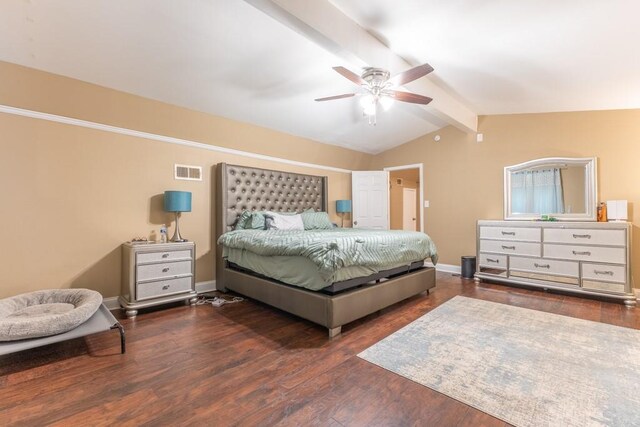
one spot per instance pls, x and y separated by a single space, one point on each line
177 238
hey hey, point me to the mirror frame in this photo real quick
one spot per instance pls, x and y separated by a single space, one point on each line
590 181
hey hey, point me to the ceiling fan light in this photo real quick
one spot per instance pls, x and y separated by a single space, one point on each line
370 109
366 101
386 102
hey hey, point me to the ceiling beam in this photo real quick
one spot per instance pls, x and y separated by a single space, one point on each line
325 25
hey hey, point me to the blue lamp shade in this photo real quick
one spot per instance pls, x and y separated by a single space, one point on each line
343 206
177 201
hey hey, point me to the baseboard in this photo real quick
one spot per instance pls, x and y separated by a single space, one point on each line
207 286
111 303
446 268
201 287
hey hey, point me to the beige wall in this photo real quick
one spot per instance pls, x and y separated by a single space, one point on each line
463 178
410 179
72 195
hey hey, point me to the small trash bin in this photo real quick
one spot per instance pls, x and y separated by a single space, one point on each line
468 267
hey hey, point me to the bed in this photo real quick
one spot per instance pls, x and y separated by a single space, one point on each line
349 295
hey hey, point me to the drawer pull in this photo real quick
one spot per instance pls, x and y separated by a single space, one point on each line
587 253
541 265
606 272
513 248
165 287
582 236
165 255
497 261
508 233
164 270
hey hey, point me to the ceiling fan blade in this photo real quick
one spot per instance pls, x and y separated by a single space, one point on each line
330 98
414 98
350 75
410 75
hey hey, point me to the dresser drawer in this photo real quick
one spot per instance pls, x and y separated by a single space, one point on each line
493 261
593 285
513 248
586 253
163 270
607 273
545 266
511 233
163 287
585 236
149 257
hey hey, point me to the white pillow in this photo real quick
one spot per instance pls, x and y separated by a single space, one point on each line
277 221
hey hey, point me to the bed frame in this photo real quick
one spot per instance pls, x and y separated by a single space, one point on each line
244 188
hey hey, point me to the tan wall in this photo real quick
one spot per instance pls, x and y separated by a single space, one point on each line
72 195
463 178
410 179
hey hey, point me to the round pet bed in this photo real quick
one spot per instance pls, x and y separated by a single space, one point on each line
44 313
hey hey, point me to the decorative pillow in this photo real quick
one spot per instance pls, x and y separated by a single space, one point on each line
257 221
277 221
316 221
243 219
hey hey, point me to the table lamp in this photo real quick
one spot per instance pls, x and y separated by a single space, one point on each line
343 207
177 201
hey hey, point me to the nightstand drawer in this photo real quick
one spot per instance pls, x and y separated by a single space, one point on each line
163 287
585 236
150 257
164 270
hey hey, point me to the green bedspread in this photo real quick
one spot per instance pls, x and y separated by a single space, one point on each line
337 248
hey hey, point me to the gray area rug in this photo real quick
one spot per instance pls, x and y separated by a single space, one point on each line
526 367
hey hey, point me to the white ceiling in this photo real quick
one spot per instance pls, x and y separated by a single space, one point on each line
230 59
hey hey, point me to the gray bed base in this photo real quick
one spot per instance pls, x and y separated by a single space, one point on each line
244 188
101 321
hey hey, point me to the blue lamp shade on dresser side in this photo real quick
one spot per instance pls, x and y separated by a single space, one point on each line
343 206
177 201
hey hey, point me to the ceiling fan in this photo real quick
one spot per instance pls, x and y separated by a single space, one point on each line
378 88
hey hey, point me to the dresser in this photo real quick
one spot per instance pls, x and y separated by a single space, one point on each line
157 273
589 258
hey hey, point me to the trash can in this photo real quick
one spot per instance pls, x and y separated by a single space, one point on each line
468 267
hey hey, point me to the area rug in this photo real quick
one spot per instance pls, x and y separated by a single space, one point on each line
526 367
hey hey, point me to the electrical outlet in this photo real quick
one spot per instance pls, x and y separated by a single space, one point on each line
426 203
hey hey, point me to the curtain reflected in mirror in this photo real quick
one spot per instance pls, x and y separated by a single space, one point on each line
537 191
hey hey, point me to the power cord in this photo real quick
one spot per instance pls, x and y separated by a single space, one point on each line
217 301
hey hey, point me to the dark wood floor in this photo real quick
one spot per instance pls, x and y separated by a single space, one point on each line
248 364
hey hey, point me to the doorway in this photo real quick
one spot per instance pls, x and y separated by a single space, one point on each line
406 197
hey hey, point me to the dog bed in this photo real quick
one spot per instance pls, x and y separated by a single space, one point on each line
45 313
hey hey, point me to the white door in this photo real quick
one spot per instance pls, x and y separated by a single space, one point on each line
409 209
370 194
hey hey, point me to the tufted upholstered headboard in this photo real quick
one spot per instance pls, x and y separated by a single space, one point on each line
245 188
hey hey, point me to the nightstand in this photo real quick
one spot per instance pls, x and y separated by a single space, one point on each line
157 273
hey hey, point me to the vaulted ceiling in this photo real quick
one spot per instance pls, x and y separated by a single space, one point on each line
264 61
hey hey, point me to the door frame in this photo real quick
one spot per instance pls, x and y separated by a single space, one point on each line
420 167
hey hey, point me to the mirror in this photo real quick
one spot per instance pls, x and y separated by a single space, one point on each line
561 187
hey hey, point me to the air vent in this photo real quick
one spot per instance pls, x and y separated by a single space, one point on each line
399 181
188 173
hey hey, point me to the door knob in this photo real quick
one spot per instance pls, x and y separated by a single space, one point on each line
355 222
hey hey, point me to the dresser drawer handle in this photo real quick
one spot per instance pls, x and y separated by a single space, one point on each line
165 287
165 255
164 270
508 233
582 236
587 253
513 248
497 261
541 265
606 272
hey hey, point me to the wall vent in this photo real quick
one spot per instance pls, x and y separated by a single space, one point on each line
188 173
399 181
